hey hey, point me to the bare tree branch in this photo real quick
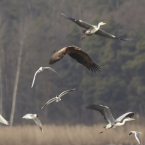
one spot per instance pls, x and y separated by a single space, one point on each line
23 29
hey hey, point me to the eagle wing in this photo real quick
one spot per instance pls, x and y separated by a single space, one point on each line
84 59
57 55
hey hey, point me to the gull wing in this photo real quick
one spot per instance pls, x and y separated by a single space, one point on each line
104 110
28 116
34 78
121 118
108 35
2 120
65 92
48 102
136 134
79 22
49 68
137 137
38 122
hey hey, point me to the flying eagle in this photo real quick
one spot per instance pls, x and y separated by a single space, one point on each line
77 54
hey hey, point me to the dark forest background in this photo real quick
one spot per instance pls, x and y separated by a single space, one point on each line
30 31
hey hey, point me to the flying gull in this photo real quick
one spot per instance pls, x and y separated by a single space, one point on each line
41 69
57 98
35 118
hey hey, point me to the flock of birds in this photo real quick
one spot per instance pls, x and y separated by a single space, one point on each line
84 59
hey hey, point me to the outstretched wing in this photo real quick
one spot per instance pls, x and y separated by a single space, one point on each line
34 78
128 114
78 22
38 122
108 35
2 120
65 92
48 102
136 134
57 55
104 110
138 137
49 68
84 59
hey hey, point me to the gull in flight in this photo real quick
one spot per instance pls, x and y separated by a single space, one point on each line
57 98
93 29
136 134
2 120
106 113
41 69
35 118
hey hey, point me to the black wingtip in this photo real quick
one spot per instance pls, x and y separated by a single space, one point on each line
64 15
72 19
124 39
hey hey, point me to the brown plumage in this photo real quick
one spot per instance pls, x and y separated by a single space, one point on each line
76 53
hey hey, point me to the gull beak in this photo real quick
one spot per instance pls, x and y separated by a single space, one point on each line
104 23
132 119
83 37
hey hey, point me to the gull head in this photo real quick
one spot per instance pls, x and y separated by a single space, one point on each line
41 69
57 99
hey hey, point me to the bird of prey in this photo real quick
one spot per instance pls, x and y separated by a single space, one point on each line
136 134
2 120
57 98
77 54
41 69
93 29
35 118
106 113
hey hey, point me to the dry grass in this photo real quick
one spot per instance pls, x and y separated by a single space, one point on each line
67 135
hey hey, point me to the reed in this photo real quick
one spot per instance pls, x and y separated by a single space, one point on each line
67 135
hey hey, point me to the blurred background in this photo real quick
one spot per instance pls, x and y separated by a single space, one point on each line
30 31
